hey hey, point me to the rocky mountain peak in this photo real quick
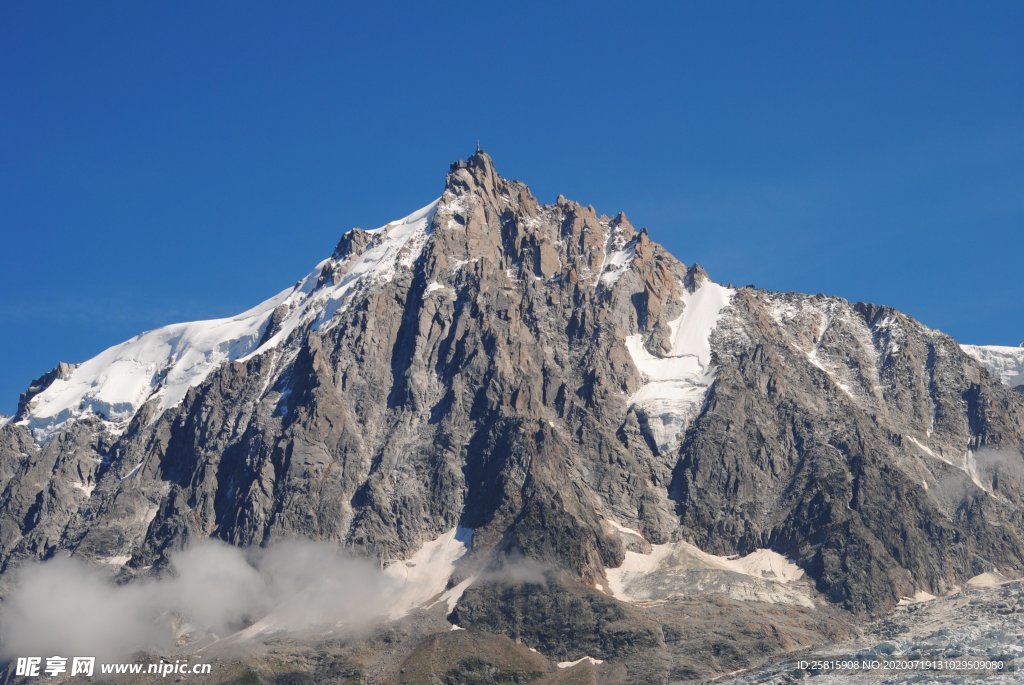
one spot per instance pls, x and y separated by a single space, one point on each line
353 242
477 173
484 217
622 221
696 276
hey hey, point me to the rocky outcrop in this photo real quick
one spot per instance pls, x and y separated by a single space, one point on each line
61 371
687 639
848 436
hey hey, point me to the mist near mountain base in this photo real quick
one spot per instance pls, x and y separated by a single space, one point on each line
70 607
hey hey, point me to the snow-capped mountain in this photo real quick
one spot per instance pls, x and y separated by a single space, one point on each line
561 389
158 367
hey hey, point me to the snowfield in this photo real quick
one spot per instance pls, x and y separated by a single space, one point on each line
1005 362
675 385
426 573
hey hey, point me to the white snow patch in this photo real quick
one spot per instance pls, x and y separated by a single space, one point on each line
452 596
425 574
456 627
87 488
147 515
927 450
675 385
118 560
617 263
919 596
619 251
135 469
588 659
622 529
680 568
432 287
988 579
764 563
1005 362
161 365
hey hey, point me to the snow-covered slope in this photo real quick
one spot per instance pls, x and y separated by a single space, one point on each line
1005 362
161 365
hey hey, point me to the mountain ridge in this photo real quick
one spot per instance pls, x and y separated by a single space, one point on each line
558 384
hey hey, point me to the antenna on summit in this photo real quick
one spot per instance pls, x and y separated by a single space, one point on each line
478 148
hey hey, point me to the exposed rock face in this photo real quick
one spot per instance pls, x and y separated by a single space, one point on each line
530 371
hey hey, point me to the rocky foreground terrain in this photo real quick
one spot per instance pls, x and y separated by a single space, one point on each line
973 635
557 444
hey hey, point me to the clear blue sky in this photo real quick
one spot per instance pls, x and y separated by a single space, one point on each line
179 160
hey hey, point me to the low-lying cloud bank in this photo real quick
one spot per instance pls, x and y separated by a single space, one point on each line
69 607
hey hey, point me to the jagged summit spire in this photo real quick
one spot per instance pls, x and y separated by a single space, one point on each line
478 159
475 172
